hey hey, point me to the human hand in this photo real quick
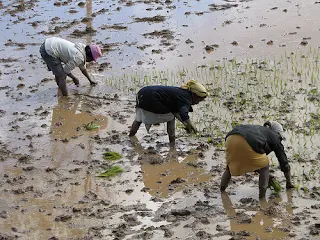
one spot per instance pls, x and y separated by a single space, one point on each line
270 180
76 81
189 129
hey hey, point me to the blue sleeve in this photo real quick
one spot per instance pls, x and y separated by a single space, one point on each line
184 112
282 158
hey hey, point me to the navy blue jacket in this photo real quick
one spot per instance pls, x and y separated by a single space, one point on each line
165 99
263 140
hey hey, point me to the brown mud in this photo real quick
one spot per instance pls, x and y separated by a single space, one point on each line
50 162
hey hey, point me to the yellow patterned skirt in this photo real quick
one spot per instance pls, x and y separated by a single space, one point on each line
241 158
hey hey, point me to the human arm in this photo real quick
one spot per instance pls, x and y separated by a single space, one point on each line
71 64
76 61
183 117
74 79
187 124
85 73
284 164
177 116
189 127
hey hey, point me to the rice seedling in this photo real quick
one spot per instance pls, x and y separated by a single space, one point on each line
252 91
111 156
275 185
92 126
111 172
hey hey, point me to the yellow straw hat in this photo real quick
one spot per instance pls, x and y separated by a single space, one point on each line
196 88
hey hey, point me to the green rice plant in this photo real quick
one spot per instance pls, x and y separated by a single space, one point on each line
111 172
289 81
112 156
275 185
305 189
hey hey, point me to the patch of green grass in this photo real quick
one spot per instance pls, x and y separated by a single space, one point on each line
92 126
112 156
111 172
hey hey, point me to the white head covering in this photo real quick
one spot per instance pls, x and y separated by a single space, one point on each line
277 127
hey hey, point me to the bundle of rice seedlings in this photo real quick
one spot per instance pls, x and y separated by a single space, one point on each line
274 185
112 156
92 126
111 172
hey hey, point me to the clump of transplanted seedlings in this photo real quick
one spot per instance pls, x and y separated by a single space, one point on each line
275 185
111 156
249 91
111 172
92 126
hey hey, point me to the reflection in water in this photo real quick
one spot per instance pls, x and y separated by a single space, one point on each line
35 219
36 215
89 21
22 5
262 226
68 121
158 177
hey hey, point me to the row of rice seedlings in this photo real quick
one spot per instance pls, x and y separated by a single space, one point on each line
306 176
260 90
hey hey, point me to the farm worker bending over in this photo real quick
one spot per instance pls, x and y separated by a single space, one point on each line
247 147
158 104
55 51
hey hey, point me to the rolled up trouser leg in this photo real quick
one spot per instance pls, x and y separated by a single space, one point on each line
225 179
171 130
134 128
263 181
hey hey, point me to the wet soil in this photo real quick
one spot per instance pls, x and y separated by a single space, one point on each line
50 162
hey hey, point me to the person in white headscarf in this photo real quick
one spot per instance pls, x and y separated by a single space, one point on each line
247 147
159 104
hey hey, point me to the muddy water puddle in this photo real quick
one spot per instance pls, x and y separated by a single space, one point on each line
257 58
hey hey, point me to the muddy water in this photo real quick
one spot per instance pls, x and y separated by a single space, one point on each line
49 161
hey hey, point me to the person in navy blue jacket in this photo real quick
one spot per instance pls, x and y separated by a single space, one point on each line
157 104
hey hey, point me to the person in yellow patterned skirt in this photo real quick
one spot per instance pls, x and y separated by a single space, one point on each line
247 147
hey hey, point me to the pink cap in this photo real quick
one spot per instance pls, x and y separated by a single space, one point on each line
95 51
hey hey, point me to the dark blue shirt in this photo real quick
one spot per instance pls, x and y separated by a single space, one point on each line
165 99
263 140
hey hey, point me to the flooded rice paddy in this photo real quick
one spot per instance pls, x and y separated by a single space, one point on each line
258 59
